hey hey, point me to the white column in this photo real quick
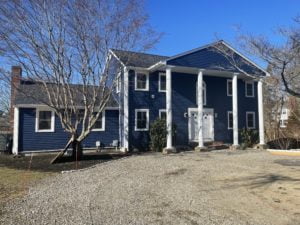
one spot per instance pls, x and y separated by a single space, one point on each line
169 107
261 112
235 109
200 108
126 111
15 148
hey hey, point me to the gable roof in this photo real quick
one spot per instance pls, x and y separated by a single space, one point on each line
137 59
217 56
205 57
34 93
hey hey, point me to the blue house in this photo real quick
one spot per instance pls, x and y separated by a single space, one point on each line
208 94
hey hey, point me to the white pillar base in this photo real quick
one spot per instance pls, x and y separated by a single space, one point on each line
169 150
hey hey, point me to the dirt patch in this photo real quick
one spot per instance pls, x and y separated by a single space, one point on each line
176 172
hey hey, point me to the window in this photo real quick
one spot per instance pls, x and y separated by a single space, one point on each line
162 114
283 123
249 86
204 93
141 119
250 120
162 82
230 120
100 123
229 87
141 81
44 121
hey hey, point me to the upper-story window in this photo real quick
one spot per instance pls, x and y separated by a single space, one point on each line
141 81
250 120
249 86
44 121
229 87
204 93
100 123
162 82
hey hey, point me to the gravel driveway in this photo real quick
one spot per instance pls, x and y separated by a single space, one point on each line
243 187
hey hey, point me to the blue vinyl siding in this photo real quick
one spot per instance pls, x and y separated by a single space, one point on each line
184 97
29 140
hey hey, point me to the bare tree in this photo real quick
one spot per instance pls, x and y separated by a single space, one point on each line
60 43
4 96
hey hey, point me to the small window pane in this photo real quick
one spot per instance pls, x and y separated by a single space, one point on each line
163 115
250 120
98 123
229 88
141 120
141 81
45 120
249 89
230 120
162 78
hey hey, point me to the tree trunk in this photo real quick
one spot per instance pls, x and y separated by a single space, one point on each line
77 150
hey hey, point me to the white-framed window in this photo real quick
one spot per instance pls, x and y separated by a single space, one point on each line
141 119
100 123
163 114
44 120
141 81
283 123
229 120
162 82
250 120
229 87
249 88
118 84
204 93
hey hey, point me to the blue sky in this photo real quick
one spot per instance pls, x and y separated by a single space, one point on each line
189 24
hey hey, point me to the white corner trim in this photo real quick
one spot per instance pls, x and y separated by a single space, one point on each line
254 123
261 112
135 80
118 83
229 84
126 110
15 149
103 123
135 120
228 121
52 129
159 82
246 88
161 111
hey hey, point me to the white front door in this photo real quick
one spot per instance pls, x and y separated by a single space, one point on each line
208 124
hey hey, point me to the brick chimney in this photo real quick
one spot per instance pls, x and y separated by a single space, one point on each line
16 75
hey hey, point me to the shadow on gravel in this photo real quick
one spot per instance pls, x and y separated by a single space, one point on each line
288 162
259 181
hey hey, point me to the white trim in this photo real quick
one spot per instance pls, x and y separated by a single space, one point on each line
160 111
103 123
159 82
112 52
235 109
228 124
228 84
126 111
246 88
254 124
15 149
169 107
200 108
37 117
135 80
261 112
135 120
205 110
119 83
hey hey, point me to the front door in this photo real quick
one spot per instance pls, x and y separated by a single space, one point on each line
208 124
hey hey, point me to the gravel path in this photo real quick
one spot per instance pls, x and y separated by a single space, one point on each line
243 187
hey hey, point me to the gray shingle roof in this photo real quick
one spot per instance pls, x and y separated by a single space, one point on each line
138 59
34 93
